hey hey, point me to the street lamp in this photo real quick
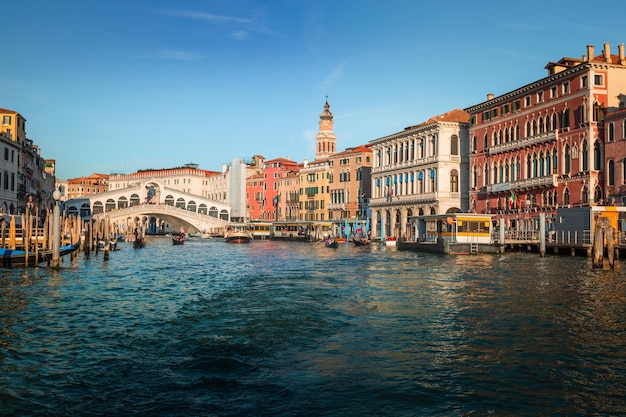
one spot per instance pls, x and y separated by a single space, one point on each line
56 229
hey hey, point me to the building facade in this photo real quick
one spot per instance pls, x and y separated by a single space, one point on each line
615 151
314 184
9 171
85 186
542 146
349 185
273 174
288 208
420 170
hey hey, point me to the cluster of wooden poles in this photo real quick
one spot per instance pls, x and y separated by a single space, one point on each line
26 232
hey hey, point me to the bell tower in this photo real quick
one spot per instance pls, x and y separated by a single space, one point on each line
326 141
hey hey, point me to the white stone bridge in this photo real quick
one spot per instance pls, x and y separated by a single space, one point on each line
154 208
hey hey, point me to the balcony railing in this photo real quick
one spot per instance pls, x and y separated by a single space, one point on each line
546 137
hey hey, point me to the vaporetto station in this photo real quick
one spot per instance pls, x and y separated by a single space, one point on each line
153 208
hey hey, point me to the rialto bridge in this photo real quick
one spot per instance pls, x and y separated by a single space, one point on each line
153 208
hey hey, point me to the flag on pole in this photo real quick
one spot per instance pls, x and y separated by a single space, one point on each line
511 200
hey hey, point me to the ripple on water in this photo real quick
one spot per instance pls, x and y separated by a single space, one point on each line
275 329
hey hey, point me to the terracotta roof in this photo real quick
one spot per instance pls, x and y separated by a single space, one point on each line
454 116
357 149
7 111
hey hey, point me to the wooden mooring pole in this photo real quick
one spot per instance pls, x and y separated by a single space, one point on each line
603 233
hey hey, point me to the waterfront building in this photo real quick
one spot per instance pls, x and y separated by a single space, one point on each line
542 146
9 171
33 184
314 197
274 172
615 147
255 196
349 186
315 175
85 186
288 187
421 170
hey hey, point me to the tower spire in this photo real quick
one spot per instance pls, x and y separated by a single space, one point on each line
326 139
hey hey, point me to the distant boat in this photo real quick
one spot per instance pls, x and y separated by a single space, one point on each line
10 257
139 242
178 239
360 241
331 243
237 234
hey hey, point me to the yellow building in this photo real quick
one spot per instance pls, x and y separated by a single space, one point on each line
13 125
314 197
350 183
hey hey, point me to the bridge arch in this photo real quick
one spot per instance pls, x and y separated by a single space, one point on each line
156 208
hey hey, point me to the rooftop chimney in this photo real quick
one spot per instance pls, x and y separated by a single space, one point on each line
620 49
607 52
590 55
489 96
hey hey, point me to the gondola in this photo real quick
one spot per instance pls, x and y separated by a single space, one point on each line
178 239
360 241
331 243
139 242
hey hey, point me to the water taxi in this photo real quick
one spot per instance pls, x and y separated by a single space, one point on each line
455 233
237 234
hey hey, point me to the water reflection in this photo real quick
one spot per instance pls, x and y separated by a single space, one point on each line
298 329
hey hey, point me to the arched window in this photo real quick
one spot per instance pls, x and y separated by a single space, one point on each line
486 141
454 145
454 181
528 167
180 203
597 194
611 135
566 197
611 172
554 122
585 156
169 200
597 155
584 195
555 162
474 143
565 119
486 172
567 160
528 129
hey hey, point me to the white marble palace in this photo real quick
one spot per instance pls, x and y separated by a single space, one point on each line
423 169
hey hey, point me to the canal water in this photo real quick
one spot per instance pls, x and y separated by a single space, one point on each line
297 329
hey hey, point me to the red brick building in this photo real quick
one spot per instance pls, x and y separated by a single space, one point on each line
542 145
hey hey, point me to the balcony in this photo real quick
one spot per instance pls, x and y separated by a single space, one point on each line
546 181
537 182
529 141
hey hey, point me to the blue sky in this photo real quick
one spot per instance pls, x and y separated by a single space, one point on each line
121 85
